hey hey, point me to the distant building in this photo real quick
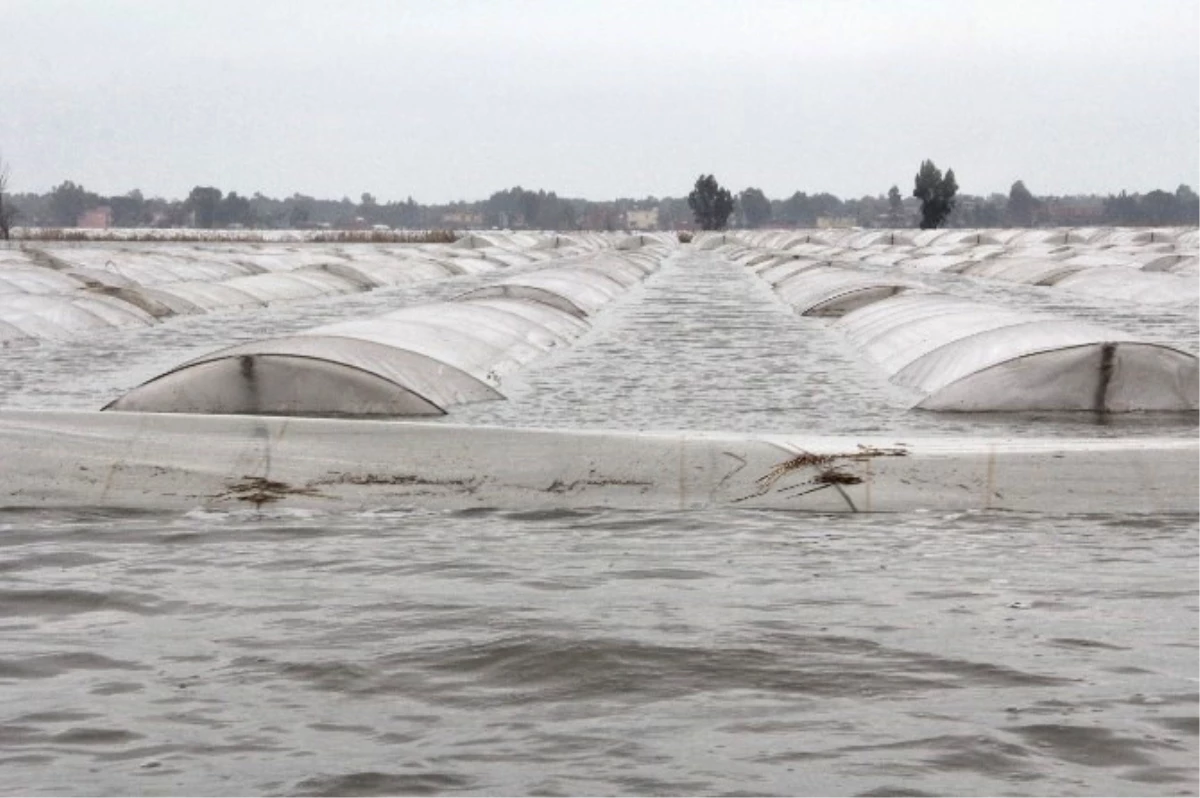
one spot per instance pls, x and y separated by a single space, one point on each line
830 222
642 220
463 219
96 219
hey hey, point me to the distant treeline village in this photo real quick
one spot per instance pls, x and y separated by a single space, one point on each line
70 205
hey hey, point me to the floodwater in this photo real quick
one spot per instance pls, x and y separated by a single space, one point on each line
403 651
606 652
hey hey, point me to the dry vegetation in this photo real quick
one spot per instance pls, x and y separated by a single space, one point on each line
177 235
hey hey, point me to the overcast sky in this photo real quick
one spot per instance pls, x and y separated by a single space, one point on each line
445 100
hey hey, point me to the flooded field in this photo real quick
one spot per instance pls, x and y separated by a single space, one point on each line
405 651
701 344
597 652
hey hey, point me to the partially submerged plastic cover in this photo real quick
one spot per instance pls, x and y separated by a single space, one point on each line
58 316
1099 377
972 357
1034 271
36 280
414 361
276 384
131 460
830 291
580 292
301 379
1128 285
936 263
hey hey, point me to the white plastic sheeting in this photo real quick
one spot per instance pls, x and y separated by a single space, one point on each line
966 356
1188 265
419 360
14 258
154 267
937 263
1102 260
168 279
831 291
1086 261
150 461
579 289
1034 271
283 286
394 273
33 280
1120 236
777 272
1125 285
415 361
37 316
1017 237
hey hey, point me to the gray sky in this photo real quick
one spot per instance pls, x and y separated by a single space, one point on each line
445 100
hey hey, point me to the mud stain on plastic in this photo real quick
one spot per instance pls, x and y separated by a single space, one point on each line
468 486
260 490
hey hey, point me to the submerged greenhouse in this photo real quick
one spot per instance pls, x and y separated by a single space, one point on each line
419 360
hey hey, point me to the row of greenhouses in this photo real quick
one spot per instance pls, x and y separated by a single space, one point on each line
58 292
1151 267
856 238
419 360
960 354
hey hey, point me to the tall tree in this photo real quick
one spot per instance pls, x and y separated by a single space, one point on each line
368 207
1188 205
796 210
128 209
204 202
1159 208
6 211
300 215
234 209
895 207
1022 205
711 205
1122 209
936 194
756 208
68 201
531 203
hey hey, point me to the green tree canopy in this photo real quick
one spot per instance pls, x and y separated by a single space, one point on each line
711 205
1159 207
128 209
756 208
936 194
6 211
895 207
234 209
68 201
1022 205
204 202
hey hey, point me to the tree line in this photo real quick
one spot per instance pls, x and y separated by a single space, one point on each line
934 201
